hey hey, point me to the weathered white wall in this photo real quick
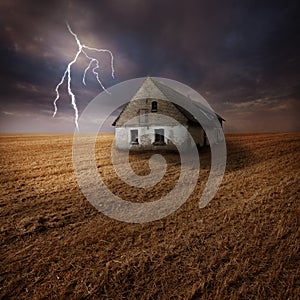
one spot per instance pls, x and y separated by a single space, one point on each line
122 138
146 137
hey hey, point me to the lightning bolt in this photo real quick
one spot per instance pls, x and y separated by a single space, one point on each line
92 62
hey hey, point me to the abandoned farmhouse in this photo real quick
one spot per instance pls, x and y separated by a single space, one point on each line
151 120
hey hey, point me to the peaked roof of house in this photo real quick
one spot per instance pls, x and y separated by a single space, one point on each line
155 89
149 89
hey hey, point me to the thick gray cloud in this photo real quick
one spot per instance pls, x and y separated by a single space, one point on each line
242 56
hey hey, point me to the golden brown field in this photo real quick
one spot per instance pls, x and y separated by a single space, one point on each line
243 245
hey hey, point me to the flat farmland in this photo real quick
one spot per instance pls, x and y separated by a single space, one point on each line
243 245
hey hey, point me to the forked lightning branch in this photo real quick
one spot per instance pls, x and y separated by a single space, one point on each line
94 65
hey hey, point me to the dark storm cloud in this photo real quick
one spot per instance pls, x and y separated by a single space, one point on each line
232 52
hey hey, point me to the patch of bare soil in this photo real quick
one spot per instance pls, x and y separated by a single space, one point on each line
243 245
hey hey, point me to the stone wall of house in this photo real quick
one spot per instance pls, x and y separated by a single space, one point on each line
131 115
146 138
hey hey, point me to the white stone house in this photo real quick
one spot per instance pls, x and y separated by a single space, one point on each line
141 124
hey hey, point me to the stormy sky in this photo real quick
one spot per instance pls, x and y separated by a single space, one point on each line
243 57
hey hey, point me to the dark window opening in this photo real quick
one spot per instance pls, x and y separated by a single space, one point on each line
154 106
159 138
134 136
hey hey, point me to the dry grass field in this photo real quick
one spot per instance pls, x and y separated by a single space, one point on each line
243 245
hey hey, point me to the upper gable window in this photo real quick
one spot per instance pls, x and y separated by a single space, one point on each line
154 106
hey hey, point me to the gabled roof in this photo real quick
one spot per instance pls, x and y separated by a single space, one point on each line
173 95
149 89
155 89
